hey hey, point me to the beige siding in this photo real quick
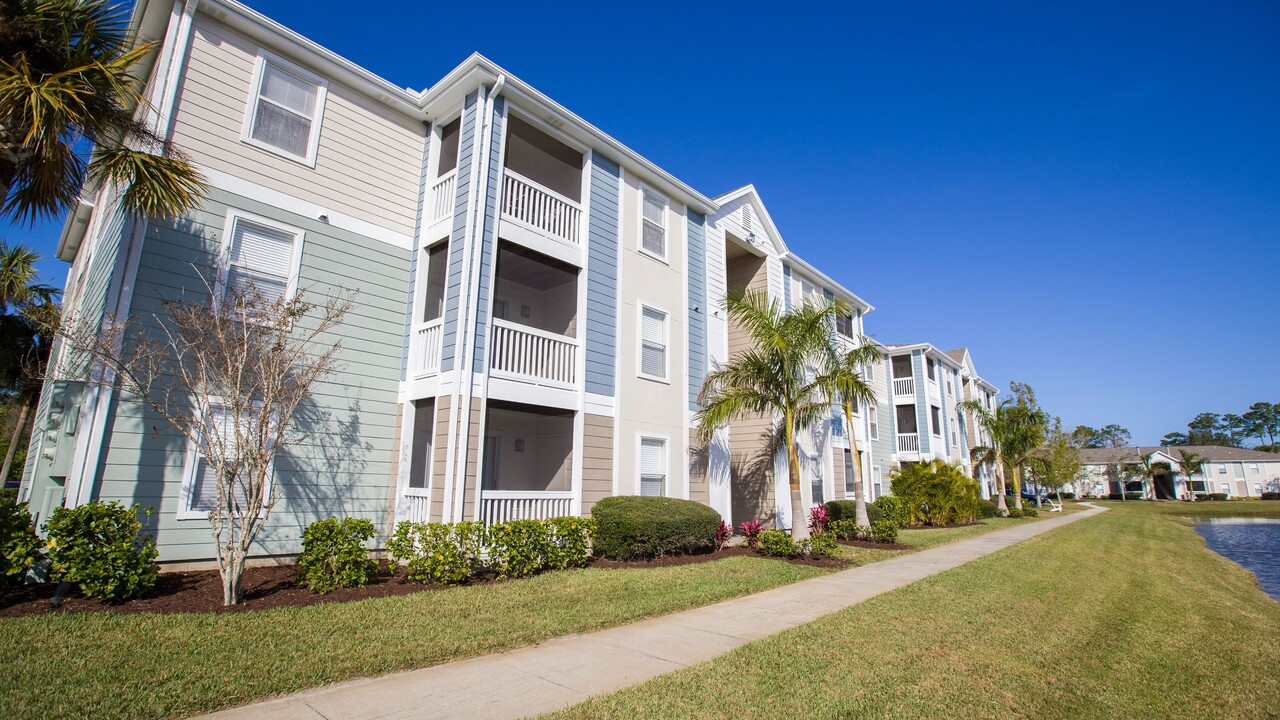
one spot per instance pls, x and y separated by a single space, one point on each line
368 160
441 448
837 471
751 468
597 460
473 460
699 489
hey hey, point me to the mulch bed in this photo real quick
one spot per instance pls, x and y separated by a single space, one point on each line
874 545
276 586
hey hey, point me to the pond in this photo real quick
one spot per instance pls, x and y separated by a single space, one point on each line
1254 543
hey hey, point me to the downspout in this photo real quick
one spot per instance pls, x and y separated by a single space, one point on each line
466 374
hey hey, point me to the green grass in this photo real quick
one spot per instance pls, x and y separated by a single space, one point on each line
106 665
1126 614
1205 508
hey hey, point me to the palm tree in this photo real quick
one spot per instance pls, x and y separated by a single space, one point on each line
1027 434
781 374
1191 463
1015 432
17 270
1145 472
67 77
844 382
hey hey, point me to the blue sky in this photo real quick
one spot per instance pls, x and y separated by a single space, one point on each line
1086 195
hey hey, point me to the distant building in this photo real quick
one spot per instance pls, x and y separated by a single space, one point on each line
1235 472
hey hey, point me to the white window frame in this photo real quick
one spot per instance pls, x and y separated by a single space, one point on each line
1253 468
1257 487
190 463
255 92
666 460
666 226
873 415
666 343
224 256
1222 469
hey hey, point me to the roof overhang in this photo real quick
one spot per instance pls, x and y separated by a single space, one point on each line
74 229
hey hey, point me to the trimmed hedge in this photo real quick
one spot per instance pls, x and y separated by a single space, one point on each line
632 527
1271 496
848 510
1127 496
334 556
988 509
892 509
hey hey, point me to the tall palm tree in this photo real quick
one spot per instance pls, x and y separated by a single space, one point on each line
844 383
67 79
1191 463
17 271
1146 472
1014 432
780 375
1028 430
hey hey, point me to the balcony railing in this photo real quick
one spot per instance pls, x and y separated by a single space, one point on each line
904 386
535 356
540 208
908 442
426 347
502 505
442 196
415 505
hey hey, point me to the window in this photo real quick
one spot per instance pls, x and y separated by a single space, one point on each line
200 484
653 466
653 233
1257 488
261 255
875 482
1253 467
871 372
949 393
935 420
850 477
815 472
285 110
653 343
844 325
449 141
875 422
1222 469
837 423
1226 488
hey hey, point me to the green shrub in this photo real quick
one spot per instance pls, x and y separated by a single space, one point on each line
9 496
988 509
884 531
334 556
518 548
1216 496
1014 513
19 544
849 530
777 543
1271 496
936 493
1030 511
438 553
848 510
1067 495
892 509
631 527
822 545
99 547
569 542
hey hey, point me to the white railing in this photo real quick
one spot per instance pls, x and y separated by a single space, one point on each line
415 505
442 196
502 505
426 346
540 208
904 386
531 355
908 442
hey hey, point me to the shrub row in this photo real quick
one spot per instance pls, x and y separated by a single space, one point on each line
1271 496
848 510
880 531
1127 496
778 543
449 553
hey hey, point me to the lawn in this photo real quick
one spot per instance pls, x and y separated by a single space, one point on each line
1204 508
1126 614
149 665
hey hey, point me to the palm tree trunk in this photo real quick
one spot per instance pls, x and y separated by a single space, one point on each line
1001 505
1017 489
860 501
15 438
799 523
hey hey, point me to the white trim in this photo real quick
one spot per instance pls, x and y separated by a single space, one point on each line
288 203
666 460
233 218
666 226
666 343
255 97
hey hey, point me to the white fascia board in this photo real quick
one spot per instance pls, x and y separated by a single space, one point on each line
840 290
73 230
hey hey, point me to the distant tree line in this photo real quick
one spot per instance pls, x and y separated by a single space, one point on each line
1261 423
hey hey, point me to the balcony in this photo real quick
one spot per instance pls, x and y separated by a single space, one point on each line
908 442
539 208
425 350
520 352
442 194
904 387
502 505
528 461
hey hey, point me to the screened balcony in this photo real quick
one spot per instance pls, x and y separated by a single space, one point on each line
542 183
535 319
528 463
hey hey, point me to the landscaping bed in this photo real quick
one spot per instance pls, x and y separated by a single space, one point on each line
736 551
875 545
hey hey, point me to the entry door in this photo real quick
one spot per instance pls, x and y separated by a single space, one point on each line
489 476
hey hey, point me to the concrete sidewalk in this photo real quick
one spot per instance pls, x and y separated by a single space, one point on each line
567 670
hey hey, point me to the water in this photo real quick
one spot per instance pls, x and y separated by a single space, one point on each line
1254 543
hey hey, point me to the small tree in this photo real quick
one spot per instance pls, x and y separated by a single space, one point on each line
1060 462
1191 463
228 375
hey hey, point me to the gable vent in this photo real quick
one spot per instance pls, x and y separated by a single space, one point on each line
746 219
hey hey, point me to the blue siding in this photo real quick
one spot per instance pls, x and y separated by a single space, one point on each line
413 261
453 281
697 305
488 246
602 278
922 405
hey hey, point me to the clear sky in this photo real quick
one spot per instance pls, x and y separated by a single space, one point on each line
1087 195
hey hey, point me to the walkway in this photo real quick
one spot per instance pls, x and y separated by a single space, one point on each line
567 670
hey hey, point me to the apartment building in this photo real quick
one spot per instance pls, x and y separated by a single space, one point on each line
1234 472
535 304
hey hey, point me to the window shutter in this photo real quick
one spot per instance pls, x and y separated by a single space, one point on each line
653 461
261 257
653 349
654 239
